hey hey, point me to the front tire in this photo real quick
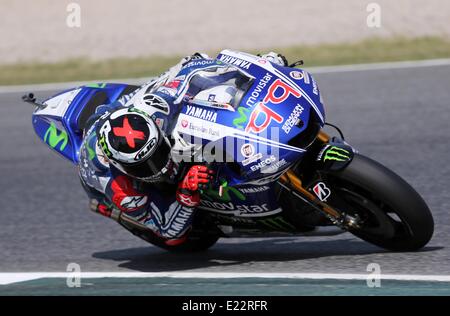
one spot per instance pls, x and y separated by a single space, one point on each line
394 215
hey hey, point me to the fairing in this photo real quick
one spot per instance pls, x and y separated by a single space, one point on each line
253 111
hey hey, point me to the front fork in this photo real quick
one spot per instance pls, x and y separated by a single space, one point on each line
332 156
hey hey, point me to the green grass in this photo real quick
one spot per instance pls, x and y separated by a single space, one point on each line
371 51
368 51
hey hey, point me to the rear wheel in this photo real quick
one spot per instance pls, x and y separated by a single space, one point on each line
392 214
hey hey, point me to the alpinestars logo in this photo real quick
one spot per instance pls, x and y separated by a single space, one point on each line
157 102
187 200
133 202
334 153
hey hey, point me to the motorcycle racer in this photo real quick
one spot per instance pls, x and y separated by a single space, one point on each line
126 163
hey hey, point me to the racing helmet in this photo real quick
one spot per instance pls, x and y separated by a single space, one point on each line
134 144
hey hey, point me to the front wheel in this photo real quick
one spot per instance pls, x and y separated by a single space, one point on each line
391 213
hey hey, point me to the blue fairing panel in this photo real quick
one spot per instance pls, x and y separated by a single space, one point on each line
258 67
60 123
267 129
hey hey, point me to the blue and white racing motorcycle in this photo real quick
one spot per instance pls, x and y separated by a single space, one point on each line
278 174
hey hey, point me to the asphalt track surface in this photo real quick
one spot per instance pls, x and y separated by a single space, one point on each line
399 117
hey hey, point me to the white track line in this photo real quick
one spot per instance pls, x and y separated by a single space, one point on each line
313 70
12 277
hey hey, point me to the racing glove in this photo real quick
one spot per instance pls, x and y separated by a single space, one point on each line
197 178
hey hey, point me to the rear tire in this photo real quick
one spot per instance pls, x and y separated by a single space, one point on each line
396 217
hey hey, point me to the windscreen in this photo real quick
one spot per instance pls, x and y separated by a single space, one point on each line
220 86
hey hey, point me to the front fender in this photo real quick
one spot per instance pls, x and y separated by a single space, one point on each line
334 156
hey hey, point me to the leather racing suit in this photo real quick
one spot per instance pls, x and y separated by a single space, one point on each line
166 206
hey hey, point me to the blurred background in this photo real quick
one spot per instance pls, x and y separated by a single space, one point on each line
54 40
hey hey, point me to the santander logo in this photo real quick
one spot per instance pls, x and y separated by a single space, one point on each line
184 123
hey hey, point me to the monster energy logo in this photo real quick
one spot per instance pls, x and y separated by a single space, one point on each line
277 223
91 152
104 146
336 154
52 137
